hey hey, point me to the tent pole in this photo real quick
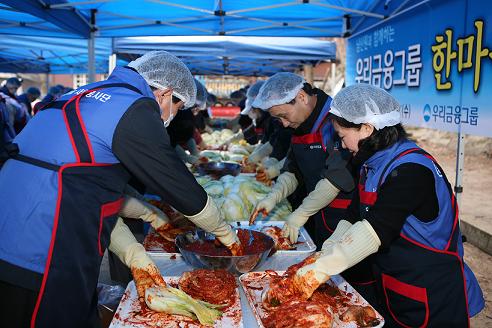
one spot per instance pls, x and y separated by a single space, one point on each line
112 63
112 58
460 161
91 64
325 78
47 82
308 73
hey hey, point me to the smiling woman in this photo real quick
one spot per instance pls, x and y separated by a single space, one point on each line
365 137
405 206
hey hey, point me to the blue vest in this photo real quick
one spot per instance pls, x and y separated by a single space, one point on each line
423 279
60 196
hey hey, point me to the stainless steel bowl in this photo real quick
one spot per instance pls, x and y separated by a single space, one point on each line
219 169
234 264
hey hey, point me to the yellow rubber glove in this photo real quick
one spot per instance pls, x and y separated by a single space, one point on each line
357 243
211 220
129 251
286 184
322 195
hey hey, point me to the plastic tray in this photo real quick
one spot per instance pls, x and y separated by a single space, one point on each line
127 314
305 244
253 284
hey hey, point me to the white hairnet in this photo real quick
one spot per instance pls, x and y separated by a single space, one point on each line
201 95
365 103
251 95
278 90
163 70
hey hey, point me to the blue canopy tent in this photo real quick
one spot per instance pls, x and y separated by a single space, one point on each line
232 54
91 19
117 18
258 56
27 54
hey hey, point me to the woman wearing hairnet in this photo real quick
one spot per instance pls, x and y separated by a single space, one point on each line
405 212
61 194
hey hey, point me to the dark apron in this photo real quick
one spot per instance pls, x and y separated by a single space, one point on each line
311 154
89 199
415 281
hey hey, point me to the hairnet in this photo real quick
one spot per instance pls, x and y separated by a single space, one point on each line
201 95
163 70
14 81
251 95
34 91
54 90
365 103
278 90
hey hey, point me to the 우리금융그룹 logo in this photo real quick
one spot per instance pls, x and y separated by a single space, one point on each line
427 113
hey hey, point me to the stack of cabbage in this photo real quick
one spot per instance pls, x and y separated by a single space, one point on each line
217 137
237 196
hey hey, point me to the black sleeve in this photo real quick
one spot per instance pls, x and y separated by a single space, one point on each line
336 171
290 165
181 128
408 190
250 135
352 214
142 145
280 141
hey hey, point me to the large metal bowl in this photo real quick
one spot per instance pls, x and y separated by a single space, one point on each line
219 169
234 264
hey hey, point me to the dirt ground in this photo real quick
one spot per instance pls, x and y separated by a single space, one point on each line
475 203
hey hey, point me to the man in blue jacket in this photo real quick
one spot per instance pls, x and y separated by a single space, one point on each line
61 194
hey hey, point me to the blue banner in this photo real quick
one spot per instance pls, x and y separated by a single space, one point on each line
436 60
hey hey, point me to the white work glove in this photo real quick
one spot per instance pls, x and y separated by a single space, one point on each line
271 168
139 209
336 236
211 220
322 195
236 137
357 243
248 147
129 251
185 157
260 153
286 184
